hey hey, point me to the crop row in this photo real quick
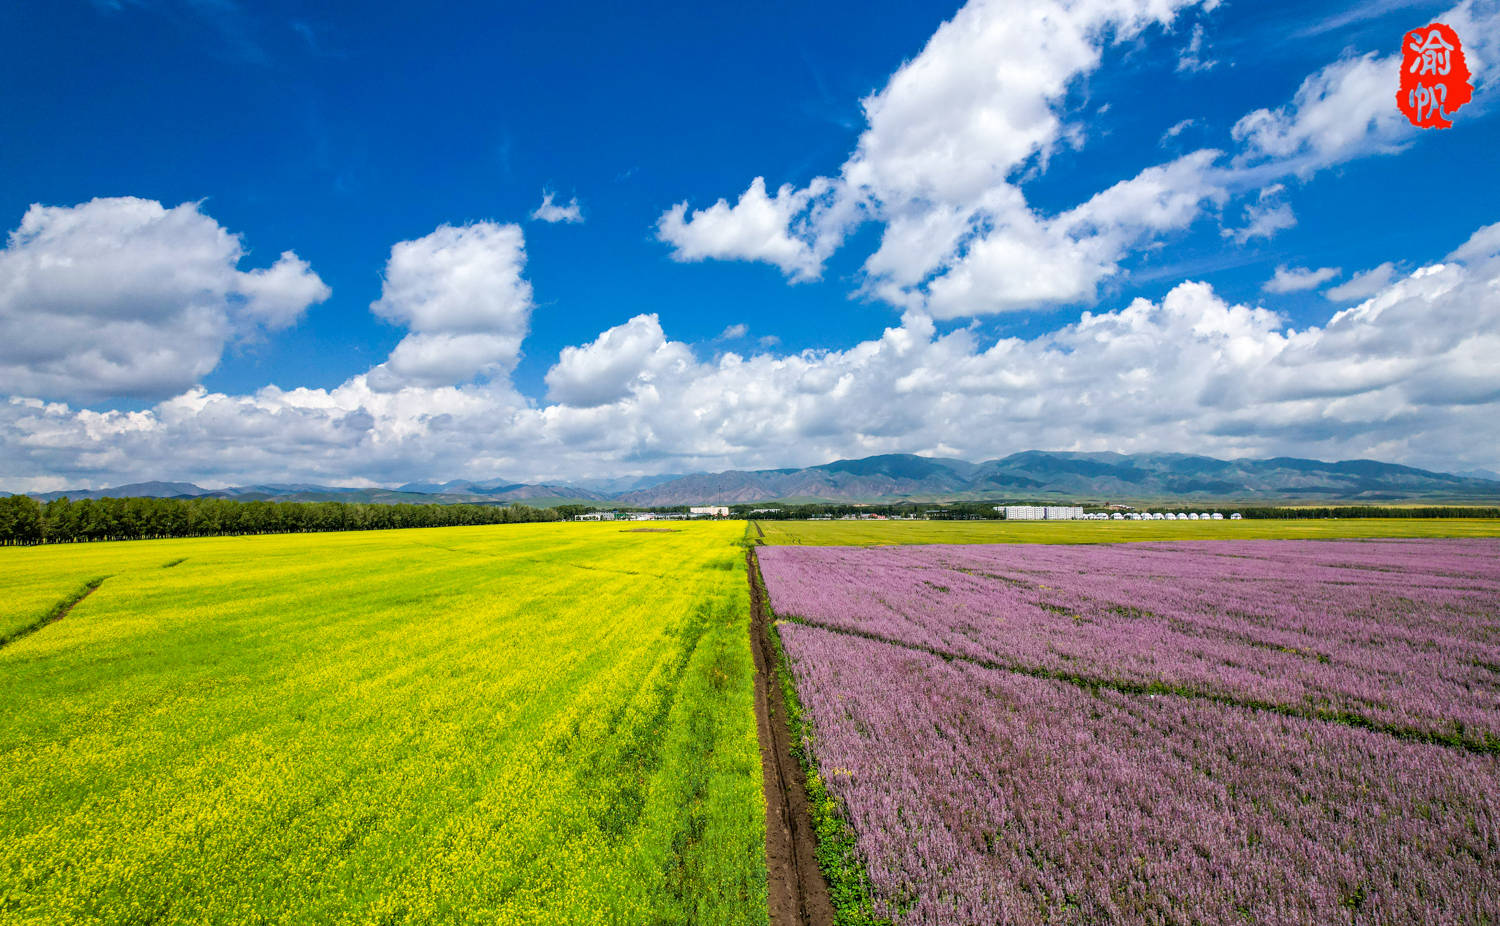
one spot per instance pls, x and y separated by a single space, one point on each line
1401 635
985 796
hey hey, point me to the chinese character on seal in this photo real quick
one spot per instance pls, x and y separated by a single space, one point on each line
1434 77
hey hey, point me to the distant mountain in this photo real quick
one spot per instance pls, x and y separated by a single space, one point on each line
1033 475
500 491
1489 474
133 490
620 484
1040 475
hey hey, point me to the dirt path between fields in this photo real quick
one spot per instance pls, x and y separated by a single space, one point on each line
797 892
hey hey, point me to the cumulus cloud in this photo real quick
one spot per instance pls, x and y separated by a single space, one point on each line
957 131
1296 279
617 364
734 332
1406 375
757 227
551 212
125 297
1362 285
939 166
461 293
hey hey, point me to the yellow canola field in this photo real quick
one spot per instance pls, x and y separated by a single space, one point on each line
540 723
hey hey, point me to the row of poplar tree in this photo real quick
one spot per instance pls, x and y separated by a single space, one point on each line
24 520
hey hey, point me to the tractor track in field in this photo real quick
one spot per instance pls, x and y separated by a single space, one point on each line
796 890
57 612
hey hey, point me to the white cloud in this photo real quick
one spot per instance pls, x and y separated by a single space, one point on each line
734 332
1483 245
616 363
1176 129
1024 262
1363 285
958 130
1296 279
125 297
1193 59
758 227
1342 111
461 294
550 211
1477 23
1264 217
1408 375
938 166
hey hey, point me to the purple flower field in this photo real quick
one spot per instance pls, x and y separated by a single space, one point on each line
997 793
1398 634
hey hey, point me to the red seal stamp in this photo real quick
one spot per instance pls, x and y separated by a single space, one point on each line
1434 77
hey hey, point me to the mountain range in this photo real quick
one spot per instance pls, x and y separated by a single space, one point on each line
1029 476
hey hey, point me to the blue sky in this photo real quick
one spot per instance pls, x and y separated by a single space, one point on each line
775 331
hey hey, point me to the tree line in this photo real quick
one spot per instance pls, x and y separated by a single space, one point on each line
24 520
1372 511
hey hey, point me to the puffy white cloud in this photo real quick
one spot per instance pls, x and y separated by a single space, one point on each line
939 165
1296 279
616 364
1362 285
758 227
461 293
1407 375
550 211
277 296
734 332
125 297
1023 261
958 130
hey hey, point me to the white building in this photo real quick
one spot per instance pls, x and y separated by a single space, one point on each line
1040 512
709 511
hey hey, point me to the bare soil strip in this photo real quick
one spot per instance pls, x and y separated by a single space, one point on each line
797 891
56 613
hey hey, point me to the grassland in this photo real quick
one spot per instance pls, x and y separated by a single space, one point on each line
523 723
877 533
